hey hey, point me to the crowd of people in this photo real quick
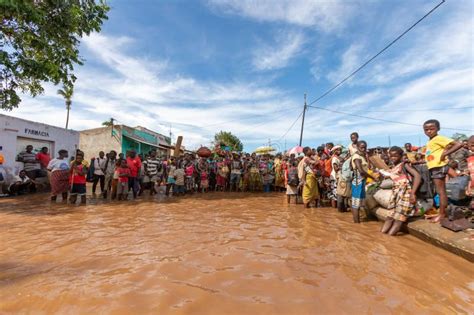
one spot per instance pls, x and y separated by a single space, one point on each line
329 175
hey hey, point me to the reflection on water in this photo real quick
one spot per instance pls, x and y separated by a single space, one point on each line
217 254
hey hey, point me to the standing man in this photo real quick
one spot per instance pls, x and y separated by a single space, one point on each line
235 172
43 157
109 170
152 166
99 175
134 164
30 164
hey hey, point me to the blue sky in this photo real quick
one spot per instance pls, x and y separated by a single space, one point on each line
243 66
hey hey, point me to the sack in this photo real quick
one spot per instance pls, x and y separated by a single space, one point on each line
384 198
346 171
343 189
456 225
456 213
456 188
370 202
386 184
293 176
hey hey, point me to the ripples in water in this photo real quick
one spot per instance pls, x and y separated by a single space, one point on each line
217 254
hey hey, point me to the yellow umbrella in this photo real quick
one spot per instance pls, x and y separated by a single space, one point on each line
264 150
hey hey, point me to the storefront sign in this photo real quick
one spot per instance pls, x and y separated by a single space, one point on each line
36 132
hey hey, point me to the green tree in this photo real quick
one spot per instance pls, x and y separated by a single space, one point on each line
67 93
459 136
107 123
39 42
229 140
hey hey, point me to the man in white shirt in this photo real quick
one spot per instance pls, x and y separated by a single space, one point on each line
99 175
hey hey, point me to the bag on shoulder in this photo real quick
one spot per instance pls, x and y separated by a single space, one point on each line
293 177
346 171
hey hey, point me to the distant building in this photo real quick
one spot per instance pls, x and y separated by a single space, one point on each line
16 134
122 139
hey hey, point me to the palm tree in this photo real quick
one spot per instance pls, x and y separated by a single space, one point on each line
67 92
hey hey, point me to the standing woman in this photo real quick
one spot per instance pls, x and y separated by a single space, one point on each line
59 175
310 185
361 168
279 173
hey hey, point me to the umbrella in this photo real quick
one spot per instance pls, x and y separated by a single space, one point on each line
264 150
295 150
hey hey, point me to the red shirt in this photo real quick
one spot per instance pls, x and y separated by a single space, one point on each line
77 178
43 159
134 164
123 170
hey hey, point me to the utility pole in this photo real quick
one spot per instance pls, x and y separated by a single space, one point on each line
112 124
302 121
171 134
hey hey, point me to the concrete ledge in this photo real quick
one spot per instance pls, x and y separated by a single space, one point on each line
459 243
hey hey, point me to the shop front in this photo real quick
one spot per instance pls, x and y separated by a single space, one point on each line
16 134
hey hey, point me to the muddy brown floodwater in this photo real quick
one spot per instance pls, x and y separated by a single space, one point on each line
217 254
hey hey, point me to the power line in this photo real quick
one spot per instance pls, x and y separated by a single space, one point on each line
418 110
376 55
297 118
380 119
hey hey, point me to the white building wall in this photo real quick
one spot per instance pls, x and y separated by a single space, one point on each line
16 132
93 141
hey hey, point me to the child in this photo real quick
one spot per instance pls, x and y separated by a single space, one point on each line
404 195
78 174
291 178
170 183
179 176
267 180
222 171
189 176
470 170
204 181
438 149
123 172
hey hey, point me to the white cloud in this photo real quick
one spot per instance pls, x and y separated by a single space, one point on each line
350 60
138 91
278 55
325 15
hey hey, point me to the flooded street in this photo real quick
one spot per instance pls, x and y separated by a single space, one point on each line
217 254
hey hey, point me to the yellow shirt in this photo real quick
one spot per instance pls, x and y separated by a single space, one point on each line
434 149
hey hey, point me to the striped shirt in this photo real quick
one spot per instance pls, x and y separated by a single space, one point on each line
153 167
29 160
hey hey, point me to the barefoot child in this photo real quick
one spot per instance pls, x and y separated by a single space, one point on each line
470 170
180 180
204 181
78 173
438 149
403 195
292 180
123 172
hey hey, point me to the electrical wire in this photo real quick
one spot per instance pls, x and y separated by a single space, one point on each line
376 55
417 110
297 118
380 119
